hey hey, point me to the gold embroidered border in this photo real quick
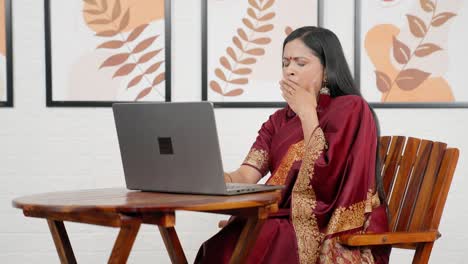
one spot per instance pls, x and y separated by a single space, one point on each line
295 153
353 216
257 158
333 252
304 202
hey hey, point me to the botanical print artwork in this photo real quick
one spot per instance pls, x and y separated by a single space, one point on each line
3 65
108 50
409 54
245 45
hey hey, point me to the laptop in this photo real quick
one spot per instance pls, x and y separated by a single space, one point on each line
173 147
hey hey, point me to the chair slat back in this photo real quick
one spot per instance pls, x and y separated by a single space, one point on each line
416 182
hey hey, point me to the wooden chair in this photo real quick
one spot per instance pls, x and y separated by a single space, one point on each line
417 183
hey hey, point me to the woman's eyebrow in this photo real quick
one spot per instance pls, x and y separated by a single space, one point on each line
294 58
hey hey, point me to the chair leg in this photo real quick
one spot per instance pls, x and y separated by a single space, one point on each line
423 252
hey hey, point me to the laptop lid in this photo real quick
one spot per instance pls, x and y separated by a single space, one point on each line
170 147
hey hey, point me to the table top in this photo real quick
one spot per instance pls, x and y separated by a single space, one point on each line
121 200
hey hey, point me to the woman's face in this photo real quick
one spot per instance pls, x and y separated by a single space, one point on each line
300 65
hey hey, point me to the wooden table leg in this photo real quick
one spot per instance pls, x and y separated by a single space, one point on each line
171 240
248 236
61 241
124 242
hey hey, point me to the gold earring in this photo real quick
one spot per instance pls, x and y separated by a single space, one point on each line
325 89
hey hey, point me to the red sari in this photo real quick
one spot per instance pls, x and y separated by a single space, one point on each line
329 189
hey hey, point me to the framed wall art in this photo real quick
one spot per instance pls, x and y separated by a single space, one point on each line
411 53
6 55
242 47
104 51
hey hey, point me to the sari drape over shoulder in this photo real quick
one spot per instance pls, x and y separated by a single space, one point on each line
329 189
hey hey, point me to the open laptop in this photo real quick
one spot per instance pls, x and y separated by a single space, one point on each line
173 147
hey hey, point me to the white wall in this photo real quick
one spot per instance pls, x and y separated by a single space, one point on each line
50 149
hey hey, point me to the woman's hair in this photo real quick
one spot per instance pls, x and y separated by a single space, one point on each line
326 46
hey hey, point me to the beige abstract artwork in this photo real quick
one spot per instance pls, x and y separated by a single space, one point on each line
412 51
108 50
3 84
244 45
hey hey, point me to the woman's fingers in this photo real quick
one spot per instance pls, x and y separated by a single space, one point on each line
291 84
287 88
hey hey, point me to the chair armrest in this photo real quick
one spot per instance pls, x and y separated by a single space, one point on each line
388 238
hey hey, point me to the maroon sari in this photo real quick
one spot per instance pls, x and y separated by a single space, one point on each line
329 189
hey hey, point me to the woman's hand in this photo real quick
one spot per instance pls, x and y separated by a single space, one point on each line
302 102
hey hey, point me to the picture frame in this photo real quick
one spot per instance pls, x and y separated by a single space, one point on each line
407 53
6 54
242 46
103 51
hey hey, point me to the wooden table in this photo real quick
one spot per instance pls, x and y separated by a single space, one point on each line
129 209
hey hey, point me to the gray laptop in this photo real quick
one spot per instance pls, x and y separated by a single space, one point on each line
173 147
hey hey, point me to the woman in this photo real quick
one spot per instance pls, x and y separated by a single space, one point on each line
323 148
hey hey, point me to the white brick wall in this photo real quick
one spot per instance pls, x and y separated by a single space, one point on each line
50 149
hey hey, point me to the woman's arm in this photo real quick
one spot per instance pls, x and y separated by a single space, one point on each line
244 174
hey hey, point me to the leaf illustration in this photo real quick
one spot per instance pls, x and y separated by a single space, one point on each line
411 78
107 33
136 32
238 43
248 61
231 53
255 4
441 18
248 24
144 93
242 34
267 16
125 70
99 22
135 81
243 40
148 56
417 26
426 49
264 28
215 87
91 2
115 60
401 52
125 20
235 92
243 71
154 67
224 61
160 78
268 5
251 13
144 44
220 74
261 41
239 81
427 5
383 81
256 51
113 44
288 30
116 11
